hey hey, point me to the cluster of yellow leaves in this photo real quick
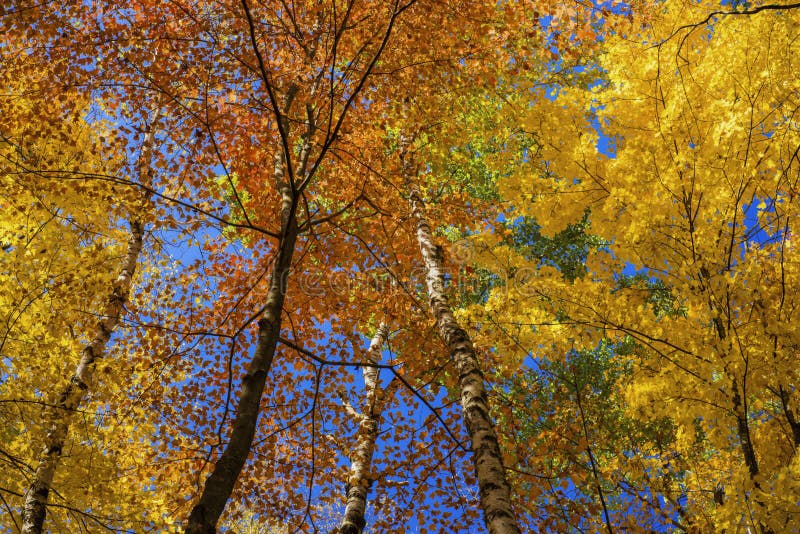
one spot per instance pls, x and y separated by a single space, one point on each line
63 237
700 195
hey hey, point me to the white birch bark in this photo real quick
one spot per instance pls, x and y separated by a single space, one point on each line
358 481
494 490
59 417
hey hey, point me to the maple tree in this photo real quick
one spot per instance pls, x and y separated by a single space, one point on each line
292 175
697 201
309 170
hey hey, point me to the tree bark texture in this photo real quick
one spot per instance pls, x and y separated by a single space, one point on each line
369 423
495 493
59 417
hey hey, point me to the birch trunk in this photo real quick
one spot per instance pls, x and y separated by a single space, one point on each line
494 491
369 423
59 416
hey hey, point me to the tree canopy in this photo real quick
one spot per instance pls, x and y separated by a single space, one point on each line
383 266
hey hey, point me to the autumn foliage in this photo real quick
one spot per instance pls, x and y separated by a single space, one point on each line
345 266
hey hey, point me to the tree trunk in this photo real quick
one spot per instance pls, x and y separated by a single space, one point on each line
60 415
495 493
219 485
743 429
369 423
